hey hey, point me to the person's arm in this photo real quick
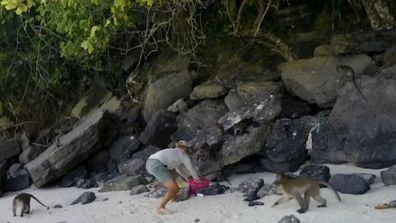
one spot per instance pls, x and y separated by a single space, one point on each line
183 173
187 163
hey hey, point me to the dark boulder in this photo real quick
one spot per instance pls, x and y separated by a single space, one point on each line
159 129
17 179
358 131
285 149
349 184
319 172
123 148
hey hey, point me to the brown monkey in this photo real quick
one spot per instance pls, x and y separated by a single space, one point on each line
302 189
351 74
23 200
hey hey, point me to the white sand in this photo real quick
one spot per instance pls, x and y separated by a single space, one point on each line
122 207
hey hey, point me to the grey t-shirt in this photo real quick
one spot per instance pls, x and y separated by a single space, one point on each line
175 158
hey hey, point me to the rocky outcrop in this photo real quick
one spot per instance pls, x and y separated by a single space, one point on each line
159 129
72 149
357 131
163 92
317 81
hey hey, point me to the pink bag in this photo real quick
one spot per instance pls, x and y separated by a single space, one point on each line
195 185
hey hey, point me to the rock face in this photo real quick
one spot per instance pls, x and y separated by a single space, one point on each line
8 149
123 148
349 184
163 92
285 148
72 149
159 129
317 81
357 131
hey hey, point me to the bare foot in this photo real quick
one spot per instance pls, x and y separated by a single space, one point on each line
162 211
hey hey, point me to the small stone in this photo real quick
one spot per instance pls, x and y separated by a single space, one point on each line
58 206
196 220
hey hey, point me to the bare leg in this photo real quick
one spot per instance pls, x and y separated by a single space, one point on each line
171 194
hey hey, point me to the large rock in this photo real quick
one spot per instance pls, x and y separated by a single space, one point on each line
123 183
349 184
285 148
357 131
237 148
319 172
388 176
131 167
202 117
17 179
74 176
123 148
317 81
163 92
145 153
8 149
72 149
159 129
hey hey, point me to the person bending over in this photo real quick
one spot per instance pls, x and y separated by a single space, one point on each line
165 165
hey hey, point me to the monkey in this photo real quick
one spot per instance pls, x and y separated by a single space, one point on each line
351 73
23 200
300 188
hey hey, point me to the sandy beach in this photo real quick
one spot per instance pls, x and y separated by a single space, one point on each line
121 207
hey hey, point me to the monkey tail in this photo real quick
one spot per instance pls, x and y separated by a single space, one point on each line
332 188
39 201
